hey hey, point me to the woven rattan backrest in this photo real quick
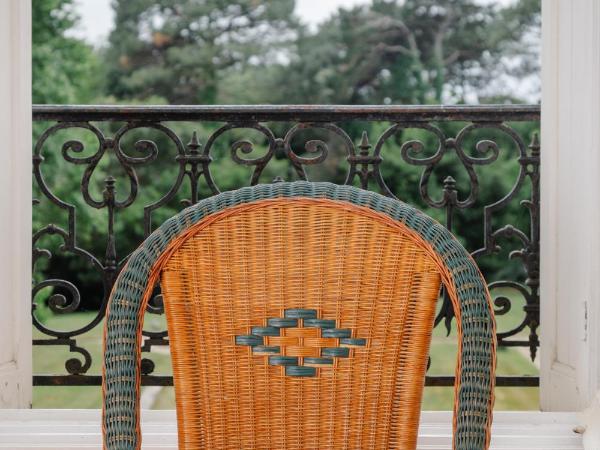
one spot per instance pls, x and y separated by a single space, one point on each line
299 316
299 324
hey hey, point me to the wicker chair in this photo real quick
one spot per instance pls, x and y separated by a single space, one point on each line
300 317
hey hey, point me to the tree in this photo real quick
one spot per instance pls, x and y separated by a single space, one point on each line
254 51
177 49
415 51
64 68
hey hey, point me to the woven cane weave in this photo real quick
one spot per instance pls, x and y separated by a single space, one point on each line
299 316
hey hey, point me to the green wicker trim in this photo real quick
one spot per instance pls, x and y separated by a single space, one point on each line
265 331
301 313
354 342
474 394
283 360
337 352
250 340
282 323
300 371
336 333
318 361
319 323
308 319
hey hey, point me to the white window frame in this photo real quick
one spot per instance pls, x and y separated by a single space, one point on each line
570 240
15 204
570 204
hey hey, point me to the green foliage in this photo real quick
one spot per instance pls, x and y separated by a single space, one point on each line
256 51
178 49
64 68
414 51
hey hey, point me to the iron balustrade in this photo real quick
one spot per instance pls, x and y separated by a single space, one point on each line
436 141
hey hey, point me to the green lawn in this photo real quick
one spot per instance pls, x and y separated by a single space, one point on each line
511 361
50 359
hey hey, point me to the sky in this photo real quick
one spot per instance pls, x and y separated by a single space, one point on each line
97 15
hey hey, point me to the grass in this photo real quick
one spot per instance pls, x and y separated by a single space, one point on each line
51 359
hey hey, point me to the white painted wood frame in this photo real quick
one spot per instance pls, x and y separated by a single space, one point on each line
570 260
570 209
80 430
15 203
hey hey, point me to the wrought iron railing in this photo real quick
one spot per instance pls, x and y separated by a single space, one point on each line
443 159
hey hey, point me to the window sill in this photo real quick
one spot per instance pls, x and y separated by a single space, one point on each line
80 429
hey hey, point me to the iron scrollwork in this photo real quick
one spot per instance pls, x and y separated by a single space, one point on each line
194 172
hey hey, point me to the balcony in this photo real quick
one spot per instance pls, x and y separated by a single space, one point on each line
448 156
476 169
534 232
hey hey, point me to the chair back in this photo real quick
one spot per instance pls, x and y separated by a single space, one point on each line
300 317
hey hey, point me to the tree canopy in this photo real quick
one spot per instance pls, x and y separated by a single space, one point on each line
411 51
65 69
416 51
177 49
258 51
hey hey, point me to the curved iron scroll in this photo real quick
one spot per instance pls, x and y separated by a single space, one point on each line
291 137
